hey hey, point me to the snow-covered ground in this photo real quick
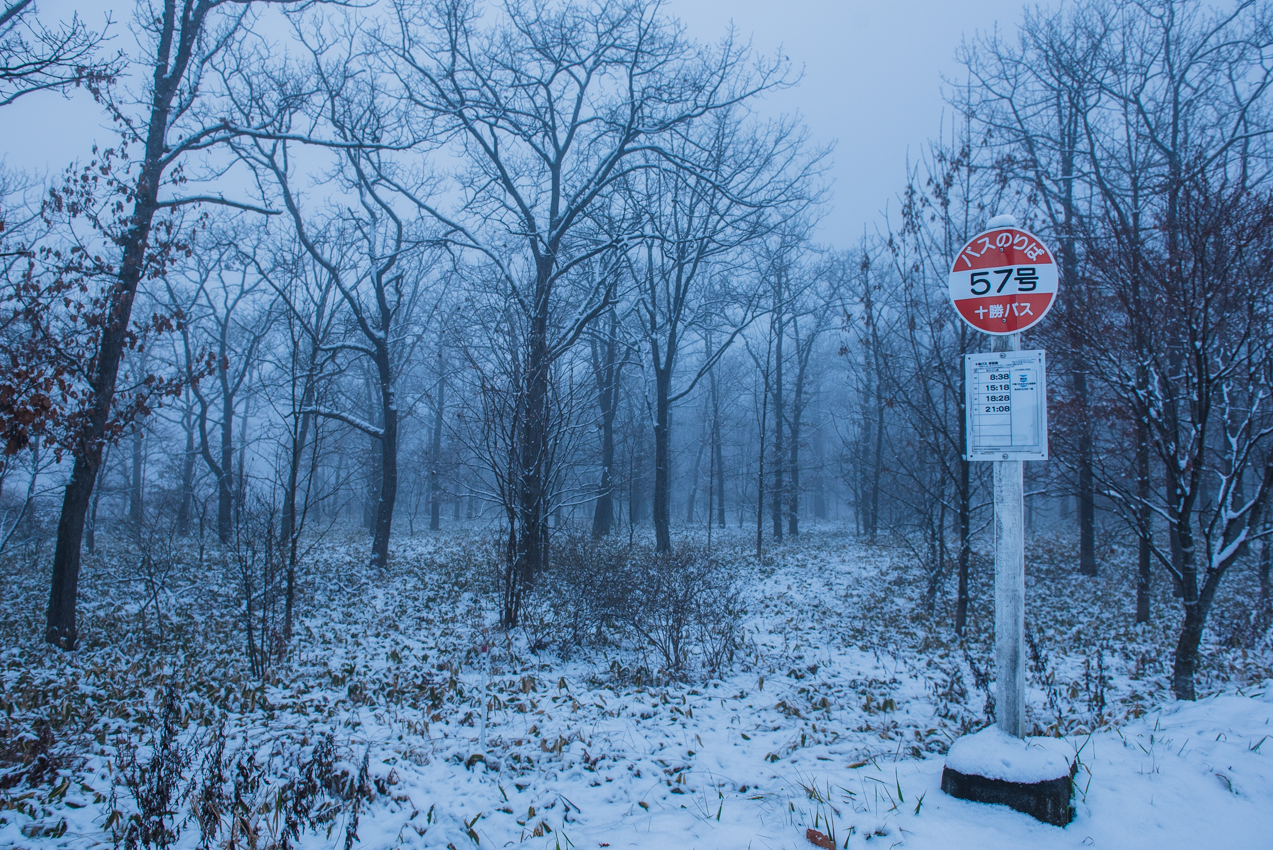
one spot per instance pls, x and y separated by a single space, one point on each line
835 716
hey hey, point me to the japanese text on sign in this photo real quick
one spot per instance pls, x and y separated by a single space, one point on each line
1003 281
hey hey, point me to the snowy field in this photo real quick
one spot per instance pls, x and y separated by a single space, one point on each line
834 715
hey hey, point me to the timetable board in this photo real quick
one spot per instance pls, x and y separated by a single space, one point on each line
1005 395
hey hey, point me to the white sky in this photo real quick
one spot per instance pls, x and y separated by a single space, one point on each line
872 83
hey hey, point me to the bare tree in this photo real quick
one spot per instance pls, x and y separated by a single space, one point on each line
375 258
1029 101
167 121
743 180
228 319
308 316
550 107
1175 159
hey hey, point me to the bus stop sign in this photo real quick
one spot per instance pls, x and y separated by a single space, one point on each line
1003 281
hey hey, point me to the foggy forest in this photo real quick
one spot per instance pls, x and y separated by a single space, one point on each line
447 423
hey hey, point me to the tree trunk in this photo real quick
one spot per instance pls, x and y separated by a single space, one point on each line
225 483
605 366
793 498
877 466
61 628
435 460
693 488
964 520
531 554
1086 482
718 454
1266 560
1196 605
760 471
1069 260
289 535
187 474
780 413
965 544
662 460
388 480
603 511
135 485
1144 518
1186 657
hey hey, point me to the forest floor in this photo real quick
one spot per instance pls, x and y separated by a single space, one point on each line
834 715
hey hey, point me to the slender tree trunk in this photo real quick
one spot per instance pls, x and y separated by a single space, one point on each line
711 487
1174 522
1196 603
135 484
1069 259
603 511
187 474
760 471
877 467
388 480
780 413
793 498
225 483
1086 482
1266 586
718 454
242 454
1144 518
694 484
289 535
964 519
288 531
605 366
965 544
61 627
662 459
435 458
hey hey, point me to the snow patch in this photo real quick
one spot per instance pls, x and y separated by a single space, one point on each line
995 754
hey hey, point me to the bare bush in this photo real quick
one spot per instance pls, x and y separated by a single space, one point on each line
584 599
154 784
235 799
683 604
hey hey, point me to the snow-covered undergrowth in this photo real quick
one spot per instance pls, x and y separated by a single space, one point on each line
833 715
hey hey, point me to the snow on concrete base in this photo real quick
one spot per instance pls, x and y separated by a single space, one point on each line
995 754
1031 776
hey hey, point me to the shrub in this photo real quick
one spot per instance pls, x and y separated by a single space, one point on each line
234 799
685 601
683 604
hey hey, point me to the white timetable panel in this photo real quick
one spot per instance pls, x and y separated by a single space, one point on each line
1005 396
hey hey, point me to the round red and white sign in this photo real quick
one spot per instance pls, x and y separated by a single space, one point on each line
1003 281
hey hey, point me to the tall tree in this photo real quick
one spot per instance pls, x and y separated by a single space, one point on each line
549 107
744 179
167 122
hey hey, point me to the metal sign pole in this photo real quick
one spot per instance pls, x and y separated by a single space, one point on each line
1009 583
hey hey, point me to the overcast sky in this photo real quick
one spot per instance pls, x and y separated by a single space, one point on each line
872 83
